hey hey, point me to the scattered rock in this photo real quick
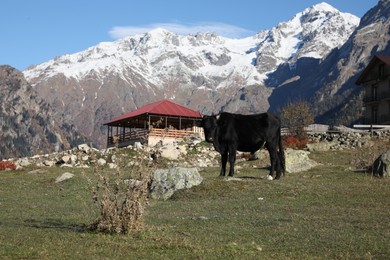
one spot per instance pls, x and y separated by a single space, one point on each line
101 162
84 148
22 162
112 166
166 181
172 150
138 145
298 161
233 179
381 165
194 152
49 163
65 159
132 183
37 171
64 176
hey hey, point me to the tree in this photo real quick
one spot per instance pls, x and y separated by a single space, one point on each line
296 116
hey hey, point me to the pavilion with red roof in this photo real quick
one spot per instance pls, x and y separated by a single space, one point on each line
161 120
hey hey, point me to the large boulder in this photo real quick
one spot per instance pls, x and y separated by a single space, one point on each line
173 150
298 161
381 165
166 181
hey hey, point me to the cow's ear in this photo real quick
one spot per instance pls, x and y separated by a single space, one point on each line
217 116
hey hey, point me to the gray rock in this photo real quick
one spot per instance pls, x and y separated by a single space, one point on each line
112 166
84 148
381 165
101 162
172 150
167 181
66 158
64 176
37 171
49 163
298 161
22 162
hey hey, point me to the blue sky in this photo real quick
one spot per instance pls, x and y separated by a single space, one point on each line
35 31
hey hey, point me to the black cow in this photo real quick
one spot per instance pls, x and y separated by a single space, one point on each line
247 133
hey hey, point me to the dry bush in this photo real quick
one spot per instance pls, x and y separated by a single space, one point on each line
364 157
7 165
294 142
296 116
121 200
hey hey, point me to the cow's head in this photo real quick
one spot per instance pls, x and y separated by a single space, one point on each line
209 124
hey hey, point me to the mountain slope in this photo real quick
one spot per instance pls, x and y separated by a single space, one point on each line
330 86
205 72
27 123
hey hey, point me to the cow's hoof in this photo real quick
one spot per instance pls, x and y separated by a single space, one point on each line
270 178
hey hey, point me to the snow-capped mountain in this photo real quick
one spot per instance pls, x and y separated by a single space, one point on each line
206 72
312 33
330 86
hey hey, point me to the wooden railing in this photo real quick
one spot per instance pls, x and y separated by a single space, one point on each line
139 134
170 133
143 134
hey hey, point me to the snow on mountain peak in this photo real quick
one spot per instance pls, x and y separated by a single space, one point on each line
311 33
324 7
159 52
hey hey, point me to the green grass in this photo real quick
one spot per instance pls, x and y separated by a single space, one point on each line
329 212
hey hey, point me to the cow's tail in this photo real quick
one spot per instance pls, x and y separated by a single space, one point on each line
281 152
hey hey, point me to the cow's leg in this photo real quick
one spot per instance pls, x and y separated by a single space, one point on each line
273 155
224 157
232 160
278 167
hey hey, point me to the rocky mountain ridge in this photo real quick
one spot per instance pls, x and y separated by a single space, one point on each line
28 125
205 72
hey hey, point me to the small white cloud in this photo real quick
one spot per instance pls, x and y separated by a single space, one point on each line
222 29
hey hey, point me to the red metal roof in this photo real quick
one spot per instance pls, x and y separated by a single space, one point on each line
163 107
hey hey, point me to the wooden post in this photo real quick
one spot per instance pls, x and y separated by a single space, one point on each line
371 130
108 135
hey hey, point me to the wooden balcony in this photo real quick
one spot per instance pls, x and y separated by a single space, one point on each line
143 136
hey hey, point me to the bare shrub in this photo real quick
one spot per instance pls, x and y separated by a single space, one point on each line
121 198
364 157
296 116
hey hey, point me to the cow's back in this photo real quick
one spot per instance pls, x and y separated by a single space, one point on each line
248 131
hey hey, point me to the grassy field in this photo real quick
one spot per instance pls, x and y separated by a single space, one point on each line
329 212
